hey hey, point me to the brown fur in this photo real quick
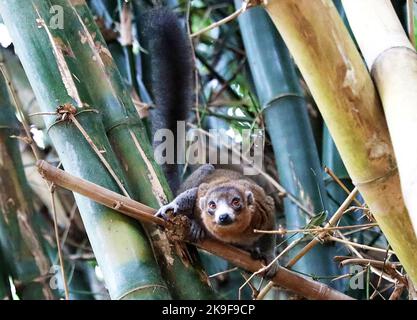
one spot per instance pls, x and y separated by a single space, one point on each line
258 215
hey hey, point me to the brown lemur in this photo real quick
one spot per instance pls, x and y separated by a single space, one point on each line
222 204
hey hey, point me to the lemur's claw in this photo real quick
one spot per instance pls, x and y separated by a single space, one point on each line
272 270
256 254
163 211
196 232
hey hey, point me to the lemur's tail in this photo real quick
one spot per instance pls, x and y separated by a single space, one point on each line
171 70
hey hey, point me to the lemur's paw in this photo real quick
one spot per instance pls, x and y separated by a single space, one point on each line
256 254
272 270
163 211
196 232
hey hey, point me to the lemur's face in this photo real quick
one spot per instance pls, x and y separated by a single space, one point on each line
226 209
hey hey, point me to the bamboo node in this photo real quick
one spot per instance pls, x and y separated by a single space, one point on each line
382 54
145 287
280 97
377 179
125 121
64 111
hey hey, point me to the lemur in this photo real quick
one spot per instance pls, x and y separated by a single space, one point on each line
222 204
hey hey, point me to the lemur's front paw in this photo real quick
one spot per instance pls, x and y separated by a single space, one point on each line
163 211
256 254
272 270
196 232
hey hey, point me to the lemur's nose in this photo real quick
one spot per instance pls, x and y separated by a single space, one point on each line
224 218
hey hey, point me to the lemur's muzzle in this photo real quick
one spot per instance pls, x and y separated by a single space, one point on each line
225 219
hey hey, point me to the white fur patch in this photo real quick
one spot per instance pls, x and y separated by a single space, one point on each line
223 208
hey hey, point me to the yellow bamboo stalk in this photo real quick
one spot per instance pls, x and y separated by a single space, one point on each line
347 99
392 60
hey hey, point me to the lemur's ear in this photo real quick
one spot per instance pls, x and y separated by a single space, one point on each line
202 203
249 197
202 190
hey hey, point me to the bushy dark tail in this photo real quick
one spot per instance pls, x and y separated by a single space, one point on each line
171 73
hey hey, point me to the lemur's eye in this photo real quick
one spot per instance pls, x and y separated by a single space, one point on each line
212 205
236 202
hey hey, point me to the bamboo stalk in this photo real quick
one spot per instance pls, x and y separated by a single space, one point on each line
5 293
286 117
20 237
290 280
392 60
346 97
122 251
129 140
410 22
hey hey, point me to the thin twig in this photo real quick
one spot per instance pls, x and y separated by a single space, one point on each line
218 274
245 5
99 154
61 260
251 286
19 109
275 260
42 114
36 154
410 22
196 74
318 229
383 267
358 245
386 267
360 256
340 183
67 229
397 292
332 222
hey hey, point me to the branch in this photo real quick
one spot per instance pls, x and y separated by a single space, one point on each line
302 286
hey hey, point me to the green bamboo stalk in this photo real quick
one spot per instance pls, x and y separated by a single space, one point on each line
78 286
332 160
330 155
5 293
392 61
286 117
24 92
20 238
122 251
22 87
126 41
128 137
344 92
